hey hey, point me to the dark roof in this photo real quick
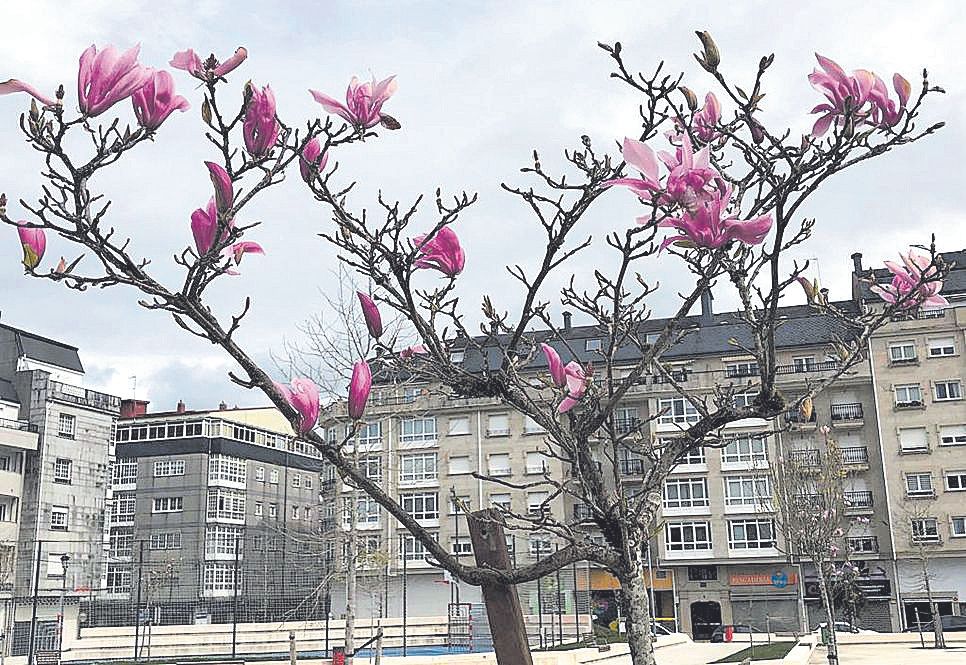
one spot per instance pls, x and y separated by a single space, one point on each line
46 350
7 392
954 284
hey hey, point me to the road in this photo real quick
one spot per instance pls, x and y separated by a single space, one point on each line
893 654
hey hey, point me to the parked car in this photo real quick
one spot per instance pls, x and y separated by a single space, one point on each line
719 633
951 624
844 627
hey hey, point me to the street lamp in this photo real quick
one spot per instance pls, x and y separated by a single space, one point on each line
65 563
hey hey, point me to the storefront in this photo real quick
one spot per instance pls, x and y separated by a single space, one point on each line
947 578
875 609
605 596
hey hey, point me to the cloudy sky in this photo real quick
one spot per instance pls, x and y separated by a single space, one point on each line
480 86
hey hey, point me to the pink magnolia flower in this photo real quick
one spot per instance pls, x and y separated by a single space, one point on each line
107 77
11 86
155 101
442 252
224 191
371 314
204 227
557 371
909 285
359 388
34 243
706 120
363 101
303 396
210 69
239 249
260 127
411 351
711 227
577 381
885 113
312 158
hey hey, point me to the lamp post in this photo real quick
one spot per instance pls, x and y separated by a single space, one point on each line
65 563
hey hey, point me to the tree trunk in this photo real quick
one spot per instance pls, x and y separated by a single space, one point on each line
352 552
634 598
939 640
833 644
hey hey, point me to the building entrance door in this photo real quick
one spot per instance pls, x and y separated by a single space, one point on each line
705 617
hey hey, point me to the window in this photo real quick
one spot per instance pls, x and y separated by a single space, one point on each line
273 510
498 424
370 434
460 546
163 468
863 544
902 352
296 480
745 449
455 509
747 491
417 468
536 502
919 484
414 550
695 456
456 356
751 534
371 467
743 400
458 425
592 345
166 540
423 506
219 577
540 546
260 473
531 426
688 536
803 363
226 468
908 395
226 504
167 504
942 346
500 501
295 512
686 492
925 530
121 541
743 368
957 527
58 518
948 390
118 577
952 435
307 482
702 573
459 465
66 425
125 505
411 394
956 481
259 508
62 471
273 476
498 464
677 411
536 462
415 430
913 440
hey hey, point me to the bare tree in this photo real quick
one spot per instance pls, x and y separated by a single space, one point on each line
733 205
921 529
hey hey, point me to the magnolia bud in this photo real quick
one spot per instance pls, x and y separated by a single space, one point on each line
690 97
712 58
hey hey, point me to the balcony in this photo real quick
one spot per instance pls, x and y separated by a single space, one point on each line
626 425
847 414
582 513
632 467
89 398
804 368
855 456
861 500
795 418
808 458
21 425
11 483
863 544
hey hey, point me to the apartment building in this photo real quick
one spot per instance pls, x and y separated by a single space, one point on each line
213 515
918 369
59 457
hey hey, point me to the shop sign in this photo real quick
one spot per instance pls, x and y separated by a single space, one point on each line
871 588
777 579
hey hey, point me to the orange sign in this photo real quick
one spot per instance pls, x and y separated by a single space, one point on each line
779 579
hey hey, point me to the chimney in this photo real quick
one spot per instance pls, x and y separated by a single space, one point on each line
566 317
181 407
223 406
707 313
132 408
857 262
494 327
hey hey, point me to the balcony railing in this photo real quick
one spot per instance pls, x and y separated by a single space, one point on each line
855 455
846 412
631 467
582 512
21 425
808 458
795 417
626 425
858 500
802 368
863 544
84 397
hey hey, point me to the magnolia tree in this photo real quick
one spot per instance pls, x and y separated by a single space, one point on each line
717 189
